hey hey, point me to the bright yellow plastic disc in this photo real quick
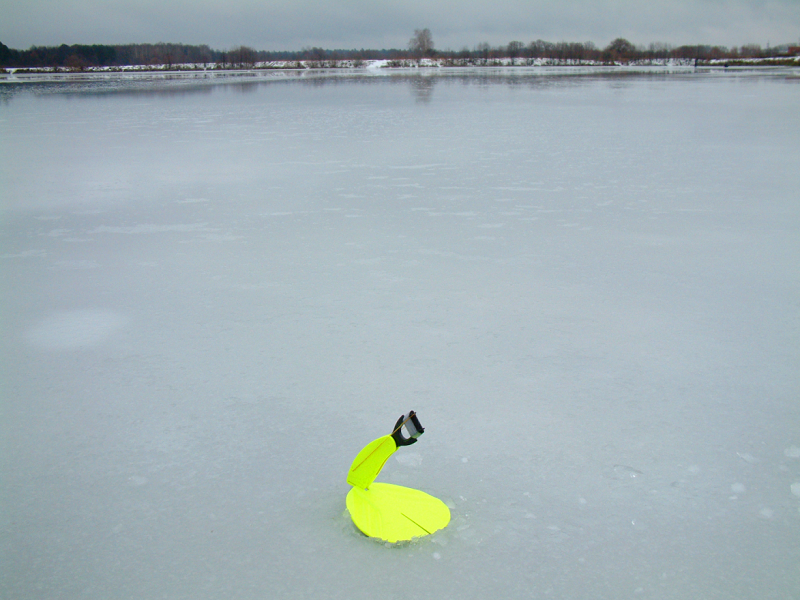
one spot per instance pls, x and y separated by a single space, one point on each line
394 513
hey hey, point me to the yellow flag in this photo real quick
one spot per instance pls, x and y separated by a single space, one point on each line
370 461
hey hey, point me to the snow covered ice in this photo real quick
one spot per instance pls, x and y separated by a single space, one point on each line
585 283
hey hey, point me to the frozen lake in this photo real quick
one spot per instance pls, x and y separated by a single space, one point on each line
587 285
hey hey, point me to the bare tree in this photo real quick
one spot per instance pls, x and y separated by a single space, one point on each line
482 50
620 50
514 50
421 45
243 57
751 50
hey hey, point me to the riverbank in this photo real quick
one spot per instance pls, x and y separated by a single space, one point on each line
784 61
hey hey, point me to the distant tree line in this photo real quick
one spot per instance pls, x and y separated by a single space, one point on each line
80 56
620 50
77 57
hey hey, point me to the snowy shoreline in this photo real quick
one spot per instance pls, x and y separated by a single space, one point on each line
369 65
134 75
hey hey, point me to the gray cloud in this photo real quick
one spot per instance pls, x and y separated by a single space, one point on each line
293 24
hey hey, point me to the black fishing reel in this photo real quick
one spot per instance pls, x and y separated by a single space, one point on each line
413 427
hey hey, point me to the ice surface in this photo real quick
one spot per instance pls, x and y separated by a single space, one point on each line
215 295
792 452
74 329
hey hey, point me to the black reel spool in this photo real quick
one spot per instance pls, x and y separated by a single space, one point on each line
413 426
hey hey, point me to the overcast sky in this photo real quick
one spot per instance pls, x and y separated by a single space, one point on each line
295 24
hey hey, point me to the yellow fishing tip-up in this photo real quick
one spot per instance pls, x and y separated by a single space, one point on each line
391 512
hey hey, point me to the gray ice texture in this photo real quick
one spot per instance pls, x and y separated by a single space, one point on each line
214 294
